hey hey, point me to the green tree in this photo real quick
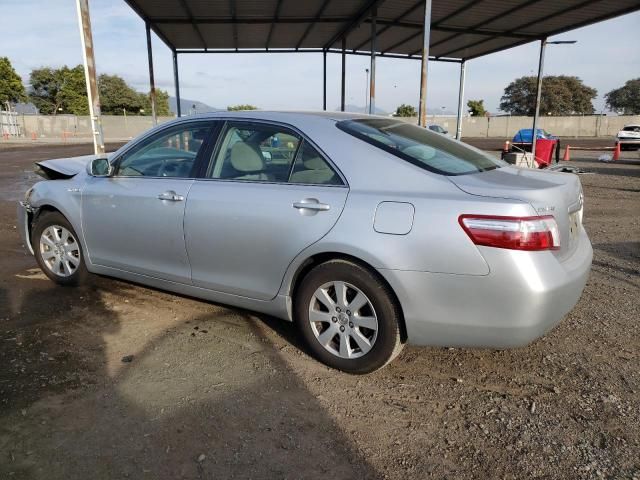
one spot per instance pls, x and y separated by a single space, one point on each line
476 108
61 90
405 110
64 90
162 103
235 108
116 96
561 95
626 99
11 87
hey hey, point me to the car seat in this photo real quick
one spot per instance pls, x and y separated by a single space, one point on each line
247 162
316 171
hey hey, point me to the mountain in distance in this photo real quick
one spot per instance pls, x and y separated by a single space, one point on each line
439 112
359 109
190 107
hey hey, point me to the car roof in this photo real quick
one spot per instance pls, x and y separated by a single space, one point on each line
279 115
632 125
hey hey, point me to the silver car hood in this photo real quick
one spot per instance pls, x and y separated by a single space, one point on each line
61 168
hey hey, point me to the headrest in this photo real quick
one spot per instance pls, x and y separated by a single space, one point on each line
315 163
420 152
245 159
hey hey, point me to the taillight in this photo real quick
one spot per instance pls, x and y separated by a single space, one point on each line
515 233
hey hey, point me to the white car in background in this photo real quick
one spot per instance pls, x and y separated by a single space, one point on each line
629 137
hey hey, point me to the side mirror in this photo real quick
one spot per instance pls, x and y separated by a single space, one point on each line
99 167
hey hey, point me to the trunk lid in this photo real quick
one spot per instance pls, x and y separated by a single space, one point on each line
549 193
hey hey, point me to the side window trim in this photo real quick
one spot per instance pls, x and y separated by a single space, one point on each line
211 156
154 134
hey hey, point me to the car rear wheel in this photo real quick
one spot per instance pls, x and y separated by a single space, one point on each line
57 249
348 317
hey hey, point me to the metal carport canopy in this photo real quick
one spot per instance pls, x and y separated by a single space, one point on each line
460 29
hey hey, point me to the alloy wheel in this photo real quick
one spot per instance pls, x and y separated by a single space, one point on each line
59 250
343 320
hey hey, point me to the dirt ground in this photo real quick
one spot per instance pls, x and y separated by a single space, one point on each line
214 392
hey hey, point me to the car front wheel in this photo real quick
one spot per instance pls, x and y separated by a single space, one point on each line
348 317
57 249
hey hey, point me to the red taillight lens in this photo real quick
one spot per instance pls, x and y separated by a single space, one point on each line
515 233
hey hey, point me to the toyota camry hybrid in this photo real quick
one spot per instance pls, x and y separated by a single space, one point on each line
367 232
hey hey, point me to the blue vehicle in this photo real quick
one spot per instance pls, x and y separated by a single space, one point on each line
524 135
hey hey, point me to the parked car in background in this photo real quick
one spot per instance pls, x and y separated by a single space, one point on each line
523 138
434 127
525 135
367 232
629 137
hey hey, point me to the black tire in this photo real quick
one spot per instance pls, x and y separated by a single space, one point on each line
55 219
387 342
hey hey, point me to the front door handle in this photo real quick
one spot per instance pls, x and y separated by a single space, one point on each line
311 204
171 196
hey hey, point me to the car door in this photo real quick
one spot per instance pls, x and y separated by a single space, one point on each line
133 220
266 196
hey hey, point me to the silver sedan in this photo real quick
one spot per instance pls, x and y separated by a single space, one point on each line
367 232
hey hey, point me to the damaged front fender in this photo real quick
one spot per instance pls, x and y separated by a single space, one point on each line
63 168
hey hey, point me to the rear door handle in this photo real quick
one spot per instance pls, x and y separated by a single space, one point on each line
171 196
311 204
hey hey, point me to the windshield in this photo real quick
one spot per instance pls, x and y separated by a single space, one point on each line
631 128
420 146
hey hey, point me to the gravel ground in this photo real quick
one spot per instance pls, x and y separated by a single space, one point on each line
213 392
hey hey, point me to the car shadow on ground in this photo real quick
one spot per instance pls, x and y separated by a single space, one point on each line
628 251
209 397
622 168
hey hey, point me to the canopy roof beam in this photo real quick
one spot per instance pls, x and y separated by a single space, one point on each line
492 19
276 16
406 13
232 7
313 23
193 23
362 14
530 23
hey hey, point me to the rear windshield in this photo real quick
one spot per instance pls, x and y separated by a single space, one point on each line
632 128
421 147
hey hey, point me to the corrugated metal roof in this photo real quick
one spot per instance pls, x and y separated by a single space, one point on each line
460 29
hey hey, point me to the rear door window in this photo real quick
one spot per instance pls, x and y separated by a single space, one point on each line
254 152
310 168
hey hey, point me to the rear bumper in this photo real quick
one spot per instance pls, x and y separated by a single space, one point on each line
525 295
22 213
629 141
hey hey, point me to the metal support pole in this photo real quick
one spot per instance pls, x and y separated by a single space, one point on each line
90 75
372 78
152 81
343 81
426 35
176 82
534 136
324 80
460 100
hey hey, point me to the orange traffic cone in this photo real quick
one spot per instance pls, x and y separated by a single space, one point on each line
505 148
567 154
616 152
33 135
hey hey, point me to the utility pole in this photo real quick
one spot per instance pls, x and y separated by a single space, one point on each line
90 75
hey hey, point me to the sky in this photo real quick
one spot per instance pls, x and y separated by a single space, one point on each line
40 33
